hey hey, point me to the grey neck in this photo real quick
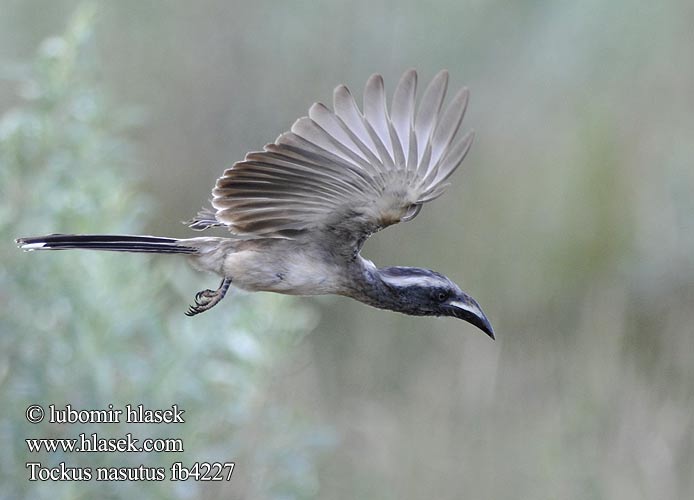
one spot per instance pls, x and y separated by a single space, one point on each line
368 286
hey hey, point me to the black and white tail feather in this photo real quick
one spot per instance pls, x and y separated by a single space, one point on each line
109 242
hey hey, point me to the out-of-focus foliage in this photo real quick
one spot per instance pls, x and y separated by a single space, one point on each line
571 221
93 329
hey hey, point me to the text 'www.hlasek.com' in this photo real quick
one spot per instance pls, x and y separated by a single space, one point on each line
92 442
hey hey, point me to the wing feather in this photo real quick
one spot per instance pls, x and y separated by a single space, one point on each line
346 172
448 127
403 108
346 109
429 109
375 113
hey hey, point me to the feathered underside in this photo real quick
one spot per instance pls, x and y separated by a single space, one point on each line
345 170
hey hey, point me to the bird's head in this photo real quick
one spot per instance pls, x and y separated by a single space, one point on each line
421 292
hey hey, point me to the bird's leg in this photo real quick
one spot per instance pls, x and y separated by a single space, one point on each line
207 299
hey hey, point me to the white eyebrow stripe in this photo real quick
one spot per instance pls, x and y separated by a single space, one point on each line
402 281
471 308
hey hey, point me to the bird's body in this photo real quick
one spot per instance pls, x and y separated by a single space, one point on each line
305 267
300 210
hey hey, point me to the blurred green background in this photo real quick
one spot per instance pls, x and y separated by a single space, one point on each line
571 221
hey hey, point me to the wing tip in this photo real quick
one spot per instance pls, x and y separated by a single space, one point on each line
408 80
444 73
317 109
342 89
375 79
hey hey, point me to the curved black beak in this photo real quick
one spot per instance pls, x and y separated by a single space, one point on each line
467 309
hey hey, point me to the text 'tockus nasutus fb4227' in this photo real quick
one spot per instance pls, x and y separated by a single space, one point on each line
300 210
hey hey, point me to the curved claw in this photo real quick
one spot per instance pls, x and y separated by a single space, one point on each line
207 299
206 294
200 305
192 311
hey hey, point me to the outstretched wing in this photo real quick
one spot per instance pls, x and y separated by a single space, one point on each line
348 172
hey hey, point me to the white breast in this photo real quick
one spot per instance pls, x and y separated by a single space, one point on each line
295 273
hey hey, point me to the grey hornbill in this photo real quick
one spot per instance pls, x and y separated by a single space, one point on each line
300 210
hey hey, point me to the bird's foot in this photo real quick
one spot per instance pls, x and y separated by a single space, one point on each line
207 299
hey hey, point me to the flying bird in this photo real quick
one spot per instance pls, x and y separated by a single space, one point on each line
300 210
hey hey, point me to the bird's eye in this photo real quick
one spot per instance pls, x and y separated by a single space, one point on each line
442 296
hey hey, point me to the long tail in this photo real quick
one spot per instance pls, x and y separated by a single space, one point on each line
111 242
